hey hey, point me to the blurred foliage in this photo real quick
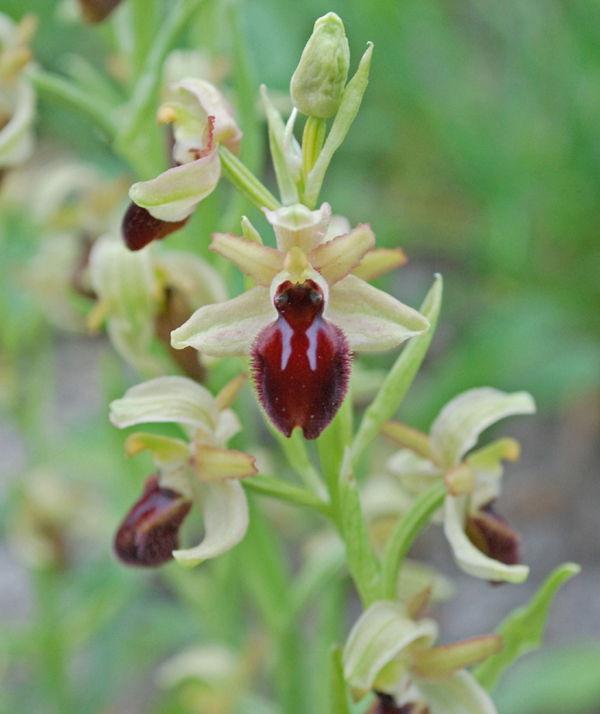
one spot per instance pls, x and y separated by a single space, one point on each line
478 150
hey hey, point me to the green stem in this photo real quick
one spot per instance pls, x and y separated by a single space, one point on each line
403 536
55 87
284 491
246 182
143 21
295 451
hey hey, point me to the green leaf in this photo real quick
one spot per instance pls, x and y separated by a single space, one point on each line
362 561
523 630
285 180
400 377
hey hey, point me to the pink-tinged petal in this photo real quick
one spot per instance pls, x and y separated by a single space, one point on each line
214 464
215 105
140 228
260 262
378 262
298 227
174 194
443 662
225 511
227 329
301 363
340 256
370 318
150 531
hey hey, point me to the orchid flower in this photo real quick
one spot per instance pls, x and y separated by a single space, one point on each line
200 469
391 654
304 317
201 120
483 543
138 292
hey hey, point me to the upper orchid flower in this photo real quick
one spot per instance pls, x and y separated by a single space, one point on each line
201 470
390 653
303 319
201 120
482 542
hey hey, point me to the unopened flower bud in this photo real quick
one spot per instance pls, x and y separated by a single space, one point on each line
319 80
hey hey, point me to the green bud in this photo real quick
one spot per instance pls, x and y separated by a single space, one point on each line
320 78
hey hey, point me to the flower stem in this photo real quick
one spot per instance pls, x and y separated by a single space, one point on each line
246 182
403 536
312 143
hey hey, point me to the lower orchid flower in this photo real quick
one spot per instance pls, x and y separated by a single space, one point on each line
482 542
199 470
390 653
304 318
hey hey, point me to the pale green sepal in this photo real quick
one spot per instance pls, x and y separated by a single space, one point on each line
469 558
174 194
318 83
415 577
195 278
260 262
523 629
125 284
249 231
407 437
400 377
165 399
228 329
225 511
378 262
414 472
214 464
287 185
124 281
459 424
351 100
443 662
214 665
362 560
298 227
378 637
338 257
16 137
370 318
461 694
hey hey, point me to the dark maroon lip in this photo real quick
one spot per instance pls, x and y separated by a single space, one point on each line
301 362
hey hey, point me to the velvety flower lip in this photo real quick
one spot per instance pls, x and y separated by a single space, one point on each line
201 469
350 315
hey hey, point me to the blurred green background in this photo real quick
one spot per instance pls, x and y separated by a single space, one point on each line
477 149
